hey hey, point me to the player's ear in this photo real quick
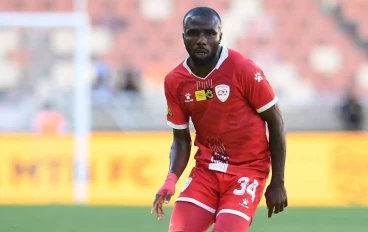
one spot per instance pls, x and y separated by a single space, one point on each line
182 34
220 37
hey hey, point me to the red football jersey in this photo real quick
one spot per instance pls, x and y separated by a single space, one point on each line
224 107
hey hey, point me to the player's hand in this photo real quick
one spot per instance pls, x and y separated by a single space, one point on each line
164 195
276 198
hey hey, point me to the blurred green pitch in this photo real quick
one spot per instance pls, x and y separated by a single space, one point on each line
138 219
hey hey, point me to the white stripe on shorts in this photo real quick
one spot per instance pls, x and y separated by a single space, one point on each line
243 215
194 201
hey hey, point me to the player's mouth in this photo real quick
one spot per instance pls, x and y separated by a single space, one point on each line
201 52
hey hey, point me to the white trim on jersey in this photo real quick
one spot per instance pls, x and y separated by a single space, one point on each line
198 203
268 105
223 56
240 214
172 125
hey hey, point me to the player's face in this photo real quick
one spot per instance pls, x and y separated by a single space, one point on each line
202 36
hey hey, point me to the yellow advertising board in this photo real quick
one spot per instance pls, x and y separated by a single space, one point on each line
128 169
35 169
322 169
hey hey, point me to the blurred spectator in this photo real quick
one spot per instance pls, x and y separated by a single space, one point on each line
352 112
129 83
49 121
101 90
102 69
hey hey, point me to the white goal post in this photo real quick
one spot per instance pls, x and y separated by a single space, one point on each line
82 116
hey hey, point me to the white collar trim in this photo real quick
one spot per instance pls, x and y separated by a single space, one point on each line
223 56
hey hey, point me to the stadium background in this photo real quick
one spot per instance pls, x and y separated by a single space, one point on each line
314 53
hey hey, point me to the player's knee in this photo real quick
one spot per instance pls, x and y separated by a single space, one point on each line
227 222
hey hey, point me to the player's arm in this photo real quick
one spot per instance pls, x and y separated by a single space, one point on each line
178 119
180 151
277 142
276 197
179 157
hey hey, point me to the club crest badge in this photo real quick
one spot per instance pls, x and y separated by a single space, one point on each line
222 92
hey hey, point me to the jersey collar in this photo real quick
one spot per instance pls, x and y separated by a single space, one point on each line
223 56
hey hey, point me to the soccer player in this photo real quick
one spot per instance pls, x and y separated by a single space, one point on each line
229 101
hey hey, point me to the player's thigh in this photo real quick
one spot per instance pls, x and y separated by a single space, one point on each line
200 195
188 217
241 201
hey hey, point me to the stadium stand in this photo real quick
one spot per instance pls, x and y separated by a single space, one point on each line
311 60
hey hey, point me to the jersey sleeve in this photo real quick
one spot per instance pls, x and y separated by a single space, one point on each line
257 89
177 118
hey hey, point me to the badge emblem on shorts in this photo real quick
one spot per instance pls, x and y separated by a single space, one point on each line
222 92
186 184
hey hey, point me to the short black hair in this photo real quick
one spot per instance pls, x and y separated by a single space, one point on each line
202 11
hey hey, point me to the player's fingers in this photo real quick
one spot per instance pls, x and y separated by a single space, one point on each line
155 209
155 203
286 203
281 207
267 202
168 198
157 199
153 206
277 208
161 213
270 210
158 204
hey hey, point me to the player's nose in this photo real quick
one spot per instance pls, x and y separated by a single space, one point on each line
202 39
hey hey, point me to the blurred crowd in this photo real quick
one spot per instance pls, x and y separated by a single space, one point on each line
312 51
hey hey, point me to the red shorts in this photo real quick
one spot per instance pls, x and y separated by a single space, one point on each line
219 192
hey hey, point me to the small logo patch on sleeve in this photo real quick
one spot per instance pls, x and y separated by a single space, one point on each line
169 112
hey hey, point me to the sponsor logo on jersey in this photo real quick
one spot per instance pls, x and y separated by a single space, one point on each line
219 162
169 112
204 94
222 92
209 93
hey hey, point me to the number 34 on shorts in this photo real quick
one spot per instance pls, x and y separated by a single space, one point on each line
246 187
245 195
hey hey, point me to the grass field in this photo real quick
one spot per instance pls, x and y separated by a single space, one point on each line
139 219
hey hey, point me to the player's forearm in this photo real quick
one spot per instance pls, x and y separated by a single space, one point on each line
277 145
179 156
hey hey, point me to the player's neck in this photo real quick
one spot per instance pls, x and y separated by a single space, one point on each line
204 70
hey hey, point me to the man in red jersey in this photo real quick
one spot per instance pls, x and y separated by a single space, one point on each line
229 101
